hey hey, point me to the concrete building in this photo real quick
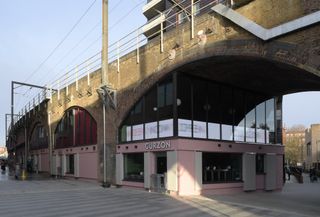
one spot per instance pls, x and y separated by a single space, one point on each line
296 136
312 145
198 108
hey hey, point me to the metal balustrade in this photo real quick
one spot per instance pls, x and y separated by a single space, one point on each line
129 43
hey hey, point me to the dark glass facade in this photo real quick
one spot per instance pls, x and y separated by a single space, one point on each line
76 128
39 137
133 167
221 167
204 110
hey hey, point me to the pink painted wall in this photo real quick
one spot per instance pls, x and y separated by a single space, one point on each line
186 158
88 165
133 184
44 162
204 145
88 160
260 180
279 171
186 173
222 188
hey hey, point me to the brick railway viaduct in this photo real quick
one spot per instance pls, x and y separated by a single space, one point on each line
222 50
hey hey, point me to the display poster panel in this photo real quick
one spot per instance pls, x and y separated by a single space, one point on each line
260 135
151 130
213 131
239 133
166 128
268 137
184 128
199 129
226 132
128 133
137 132
250 135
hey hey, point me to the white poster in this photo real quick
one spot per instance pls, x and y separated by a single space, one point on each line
151 130
128 133
213 131
184 128
199 129
239 133
250 135
268 137
260 135
166 128
137 132
226 132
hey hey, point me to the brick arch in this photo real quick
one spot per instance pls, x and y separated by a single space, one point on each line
286 56
82 131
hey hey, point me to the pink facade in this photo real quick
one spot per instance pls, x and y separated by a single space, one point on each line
186 173
88 165
85 163
41 160
44 162
188 182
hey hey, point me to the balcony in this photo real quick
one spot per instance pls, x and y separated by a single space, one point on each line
152 8
153 26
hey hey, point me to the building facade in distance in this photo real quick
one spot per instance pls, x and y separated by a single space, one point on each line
312 146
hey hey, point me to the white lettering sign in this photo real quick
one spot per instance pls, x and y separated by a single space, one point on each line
157 145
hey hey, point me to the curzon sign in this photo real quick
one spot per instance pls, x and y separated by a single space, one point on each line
157 145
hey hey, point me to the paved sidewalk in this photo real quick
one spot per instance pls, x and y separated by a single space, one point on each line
294 200
46 198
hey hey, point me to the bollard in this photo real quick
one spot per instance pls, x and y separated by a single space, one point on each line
24 174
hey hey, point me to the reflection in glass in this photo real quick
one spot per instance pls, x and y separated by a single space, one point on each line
261 124
226 113
221 167
134 167
250 118
270 125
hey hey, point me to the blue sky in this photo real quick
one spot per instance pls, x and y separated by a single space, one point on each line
31 29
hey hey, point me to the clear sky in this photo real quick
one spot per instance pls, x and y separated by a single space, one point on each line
30 30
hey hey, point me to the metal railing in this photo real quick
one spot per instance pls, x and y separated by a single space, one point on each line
129 43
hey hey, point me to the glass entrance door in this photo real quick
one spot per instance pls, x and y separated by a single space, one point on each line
161 163
161 170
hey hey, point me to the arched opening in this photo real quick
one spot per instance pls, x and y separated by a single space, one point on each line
302 130
39 137
222 123
193 107
76 128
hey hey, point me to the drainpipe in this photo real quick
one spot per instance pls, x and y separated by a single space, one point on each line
50 144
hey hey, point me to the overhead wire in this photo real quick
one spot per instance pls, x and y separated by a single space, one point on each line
70 50
61 42
95 41
81 40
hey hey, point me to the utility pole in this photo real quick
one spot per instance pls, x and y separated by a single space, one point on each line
106 92
13 87
105 42
105 80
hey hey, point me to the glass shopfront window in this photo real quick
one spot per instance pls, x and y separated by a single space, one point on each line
184 104
260 164
70 164
134 167
205 110
239 113
76 128
226 113
270 121
214 111
221 167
